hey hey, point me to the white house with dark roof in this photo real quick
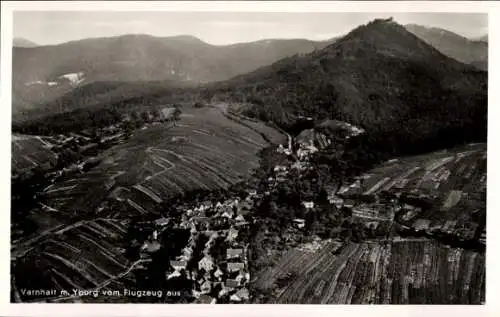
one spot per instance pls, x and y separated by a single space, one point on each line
234 253
151 246
205 299
206 287
206 263
241 276
178 265
241 295
218 273
300 223
308 204
231 284
173 274
162 222
232 234
235 267
240 218
228 213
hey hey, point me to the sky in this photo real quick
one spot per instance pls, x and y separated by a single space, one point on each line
221 28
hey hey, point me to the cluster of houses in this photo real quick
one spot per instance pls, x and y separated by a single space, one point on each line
226 277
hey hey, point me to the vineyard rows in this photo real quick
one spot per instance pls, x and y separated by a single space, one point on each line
205 150
403 271
82 257
29 152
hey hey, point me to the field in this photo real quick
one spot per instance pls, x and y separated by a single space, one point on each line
204 150
83 255
442 194
403 271
452 181
29 152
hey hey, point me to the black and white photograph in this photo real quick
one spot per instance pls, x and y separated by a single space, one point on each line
218 157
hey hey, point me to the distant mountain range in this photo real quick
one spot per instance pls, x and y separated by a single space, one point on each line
380 77
22 42
456 46
43 74
40 74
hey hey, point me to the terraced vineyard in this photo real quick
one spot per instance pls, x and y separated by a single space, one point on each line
70 250
81 256
435 199
205 150
452 182
29 152
415 271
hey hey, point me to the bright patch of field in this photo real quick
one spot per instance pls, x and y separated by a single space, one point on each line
80 256
413 271
29 152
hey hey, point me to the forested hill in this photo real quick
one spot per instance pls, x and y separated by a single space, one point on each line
44 73
402 91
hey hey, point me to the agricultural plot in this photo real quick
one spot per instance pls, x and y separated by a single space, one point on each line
453 181
204 150
81 256
29 152
405 271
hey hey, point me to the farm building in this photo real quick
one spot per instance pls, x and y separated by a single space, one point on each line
231 284
482 239
227 213
178 265
174 274
218 273
280 168
206 287
162 222
235 267
240 295
151 246
232 234
421 224
299 223
206 263
205 299
337 201
308 204
234 253
244 208
240 219
280 149
167 112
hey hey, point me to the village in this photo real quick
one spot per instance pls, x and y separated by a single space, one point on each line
219 225
219 270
